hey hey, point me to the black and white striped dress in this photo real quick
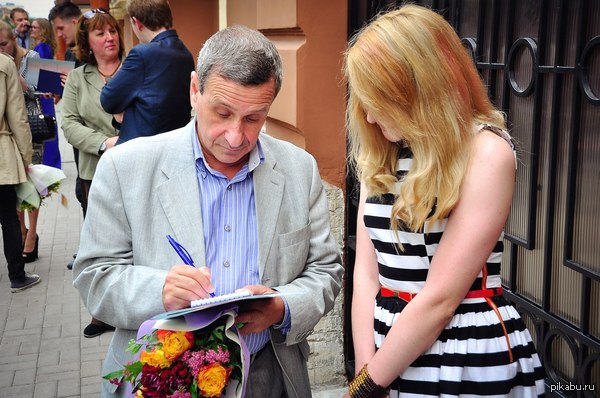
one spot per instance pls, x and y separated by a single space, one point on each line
471 356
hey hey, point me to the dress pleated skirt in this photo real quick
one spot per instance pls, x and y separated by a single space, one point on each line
473 356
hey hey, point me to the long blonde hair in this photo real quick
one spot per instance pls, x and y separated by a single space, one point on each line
410 68
46 34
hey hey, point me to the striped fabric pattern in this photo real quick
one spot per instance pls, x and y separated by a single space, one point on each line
471 356
230 229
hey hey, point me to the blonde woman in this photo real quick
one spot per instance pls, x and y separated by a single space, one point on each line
21 56
15 156
437 172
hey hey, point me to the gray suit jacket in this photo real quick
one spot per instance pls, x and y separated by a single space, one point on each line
147 188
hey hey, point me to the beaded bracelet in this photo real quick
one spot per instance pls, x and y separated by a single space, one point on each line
363 386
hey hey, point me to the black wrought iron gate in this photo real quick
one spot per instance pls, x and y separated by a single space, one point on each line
541 62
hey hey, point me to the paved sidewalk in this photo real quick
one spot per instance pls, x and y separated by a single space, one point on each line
43 353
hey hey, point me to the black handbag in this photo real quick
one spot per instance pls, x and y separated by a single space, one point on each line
43 127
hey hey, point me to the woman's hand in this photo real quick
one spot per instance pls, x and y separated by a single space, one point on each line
111 142
63 79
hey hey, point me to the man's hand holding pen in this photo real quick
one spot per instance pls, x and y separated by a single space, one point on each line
184 284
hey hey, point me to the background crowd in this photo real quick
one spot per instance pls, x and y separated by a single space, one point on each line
94 42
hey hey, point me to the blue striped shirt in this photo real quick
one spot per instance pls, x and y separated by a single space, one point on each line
230 229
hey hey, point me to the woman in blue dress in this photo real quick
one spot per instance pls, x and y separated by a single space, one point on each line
45 44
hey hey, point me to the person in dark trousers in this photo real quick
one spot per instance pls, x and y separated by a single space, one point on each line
15 156
64 20
152 86
85 125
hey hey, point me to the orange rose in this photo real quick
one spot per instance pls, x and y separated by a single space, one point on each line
212 379
155 358
176 343
161 333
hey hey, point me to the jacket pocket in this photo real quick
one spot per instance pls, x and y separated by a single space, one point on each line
297 237
291 255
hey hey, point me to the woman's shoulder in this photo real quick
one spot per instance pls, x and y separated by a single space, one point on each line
75 75
44 50
31 54
500 132
493 144
5 62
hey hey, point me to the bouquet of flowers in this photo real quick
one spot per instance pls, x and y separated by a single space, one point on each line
197 355
41 182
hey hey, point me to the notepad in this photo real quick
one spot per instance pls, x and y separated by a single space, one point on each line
225 298
209 302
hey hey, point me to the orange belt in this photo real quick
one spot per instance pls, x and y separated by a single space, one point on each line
385 292
484 293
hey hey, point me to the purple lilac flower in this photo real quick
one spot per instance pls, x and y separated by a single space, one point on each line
180 394
194 360
213 356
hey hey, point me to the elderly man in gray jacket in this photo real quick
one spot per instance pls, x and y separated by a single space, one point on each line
250 209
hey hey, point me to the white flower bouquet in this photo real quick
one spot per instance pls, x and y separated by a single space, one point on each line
41 182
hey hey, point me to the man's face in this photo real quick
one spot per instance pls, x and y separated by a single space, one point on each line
21 22
65 29
229 119
7 45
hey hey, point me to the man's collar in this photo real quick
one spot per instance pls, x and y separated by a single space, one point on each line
256 157
163 34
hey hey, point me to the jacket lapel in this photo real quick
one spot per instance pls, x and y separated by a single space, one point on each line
184 216
93 77
268 193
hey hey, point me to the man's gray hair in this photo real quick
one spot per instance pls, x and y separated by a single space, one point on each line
242 55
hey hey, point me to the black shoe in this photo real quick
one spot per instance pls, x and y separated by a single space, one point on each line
30 280
70 265
95 329
29 257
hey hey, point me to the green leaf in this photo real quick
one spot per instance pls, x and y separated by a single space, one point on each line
134 368
117 374
133 347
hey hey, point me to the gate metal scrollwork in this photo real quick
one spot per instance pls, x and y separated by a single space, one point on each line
583 71
531 45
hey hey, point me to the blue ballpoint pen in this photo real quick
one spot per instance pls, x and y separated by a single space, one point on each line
183 254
